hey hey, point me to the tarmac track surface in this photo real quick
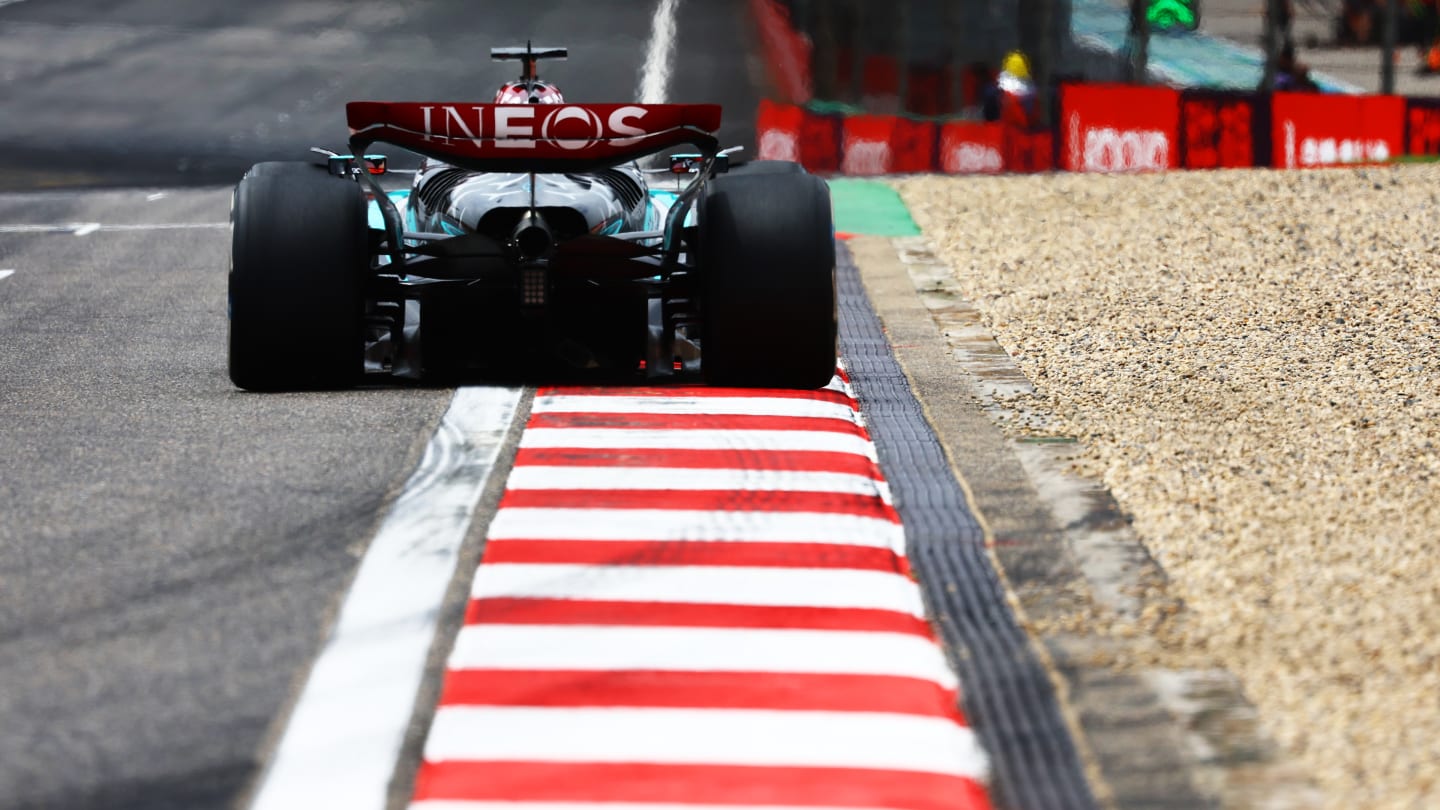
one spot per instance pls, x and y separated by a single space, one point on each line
171 549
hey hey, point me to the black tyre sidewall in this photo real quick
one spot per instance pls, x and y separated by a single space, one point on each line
299 258
768 167
767 257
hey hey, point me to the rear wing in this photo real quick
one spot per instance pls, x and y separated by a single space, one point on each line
533 137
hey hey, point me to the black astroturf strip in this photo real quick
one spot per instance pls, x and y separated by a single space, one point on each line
1006 694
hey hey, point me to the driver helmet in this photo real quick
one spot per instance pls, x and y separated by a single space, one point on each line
532 92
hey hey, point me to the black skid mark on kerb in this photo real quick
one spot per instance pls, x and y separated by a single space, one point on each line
1007 695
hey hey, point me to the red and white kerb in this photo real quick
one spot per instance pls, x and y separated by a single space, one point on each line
697 597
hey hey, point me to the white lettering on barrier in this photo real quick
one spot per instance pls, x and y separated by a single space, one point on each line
864 157
1125 150
1332 151
779 144
973 158
1312 152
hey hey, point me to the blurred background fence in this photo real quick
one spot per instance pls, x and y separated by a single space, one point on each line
934 57
894 86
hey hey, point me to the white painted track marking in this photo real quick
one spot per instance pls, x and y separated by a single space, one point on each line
699 439
599 648
4 274
344 735
655 75
87 228
702 584
662 478
706 737
461 804
702 406
682 524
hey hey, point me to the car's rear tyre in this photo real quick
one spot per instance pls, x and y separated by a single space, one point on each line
767 259
768 167
298 260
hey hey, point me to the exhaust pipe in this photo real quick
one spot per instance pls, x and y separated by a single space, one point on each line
532 237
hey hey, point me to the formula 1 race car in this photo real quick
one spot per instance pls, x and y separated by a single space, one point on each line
531 241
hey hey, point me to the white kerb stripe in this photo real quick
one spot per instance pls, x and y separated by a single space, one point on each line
344 735
695 406
514 523
663 478
461 804
706 737
702 584
698 439
699 649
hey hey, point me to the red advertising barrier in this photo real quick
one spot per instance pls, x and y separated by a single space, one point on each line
788 132
1028 151
787 52
820 142
1311 129
970 148
912 146
1108 128
1119 128
1222 130
1422 126
778 131
865 144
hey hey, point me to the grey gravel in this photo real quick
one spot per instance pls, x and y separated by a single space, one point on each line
1251 361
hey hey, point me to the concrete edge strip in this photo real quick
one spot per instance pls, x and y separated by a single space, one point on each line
340 745
1011 691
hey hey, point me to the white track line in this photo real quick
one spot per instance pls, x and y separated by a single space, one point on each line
702 584
344 735
87 228
655 75
4 274
594 648
698 439
463 804
706 737
686 524
534 476
701 406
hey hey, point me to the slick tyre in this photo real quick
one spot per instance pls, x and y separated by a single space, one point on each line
298 260
767 167
767 260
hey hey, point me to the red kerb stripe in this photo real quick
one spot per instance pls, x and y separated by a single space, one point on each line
688 784
718 552
702 690
720 459
516 610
